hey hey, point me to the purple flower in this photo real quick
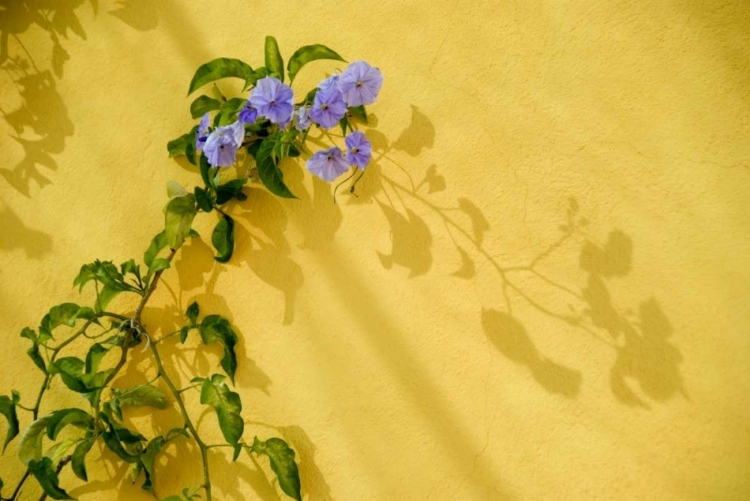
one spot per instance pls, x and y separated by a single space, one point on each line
248 114
273 100
328 164
303 118
328 82
202 133
328 107
359 149
221 145
360 83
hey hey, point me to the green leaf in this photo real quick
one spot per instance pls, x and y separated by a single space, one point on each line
177 147
114 436
202 105
45 474
220 68
157 244
30 447
143 395
268 172
184 333
148 458
70 370
228 406
203 199
231 189
223 238
79 458
215 328
159 264
178 219
36 357
229 111
205 169
274 62
358 112
63 417
57 451
8 409
94 356
192 312
307 54
282 464
175 189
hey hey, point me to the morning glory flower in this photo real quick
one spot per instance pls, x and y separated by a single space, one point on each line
328 82
328 107
248 114
303 118
202 133
360 83
273 100
221 145
359 149
328 164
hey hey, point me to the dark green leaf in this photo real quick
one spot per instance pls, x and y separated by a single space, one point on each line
159 264
114 436
94 356
45 474
217 329
274 62
344 123
148 458
229 111
205 169
268 172
178 219
203 199
202 105
36 357
231 189
70 370
177 147
147 395
30 447
218 69
228 406
63 417
158 243
223 238
79 458
8 409
184 333
192 312
282 464
309 53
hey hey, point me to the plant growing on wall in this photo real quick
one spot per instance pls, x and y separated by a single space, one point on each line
260 131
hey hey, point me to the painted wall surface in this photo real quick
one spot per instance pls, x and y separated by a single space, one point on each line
542 291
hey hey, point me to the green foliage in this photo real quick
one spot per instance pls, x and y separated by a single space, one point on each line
227 404
274 62
216 329
203 104
78 463
178 218
309 53
217 69
282 464
30 447
192 312
223 238
62 418
268 172
8 409
45 474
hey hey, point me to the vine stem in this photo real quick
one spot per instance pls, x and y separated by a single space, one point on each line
188 422
151 288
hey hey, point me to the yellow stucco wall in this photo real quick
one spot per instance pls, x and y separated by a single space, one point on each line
542 291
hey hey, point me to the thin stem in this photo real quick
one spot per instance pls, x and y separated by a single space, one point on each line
151 288
188 422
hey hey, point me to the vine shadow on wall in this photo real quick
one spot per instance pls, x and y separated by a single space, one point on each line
646 368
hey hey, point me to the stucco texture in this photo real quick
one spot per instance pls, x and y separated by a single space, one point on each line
541 291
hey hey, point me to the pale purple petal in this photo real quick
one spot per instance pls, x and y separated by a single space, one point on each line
360 83
273 99
202 133
328 164
359 149
328 107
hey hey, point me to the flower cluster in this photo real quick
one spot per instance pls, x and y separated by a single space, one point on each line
270 107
